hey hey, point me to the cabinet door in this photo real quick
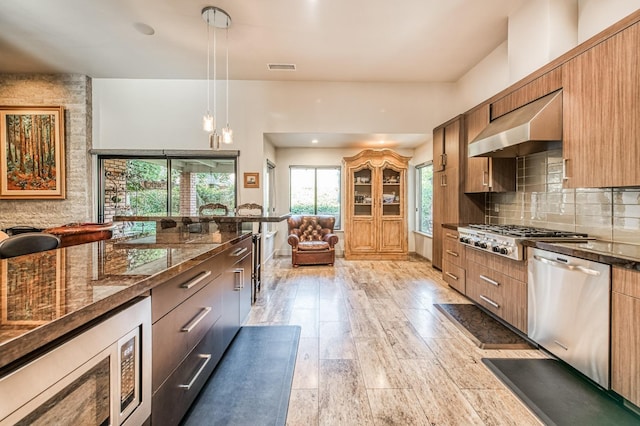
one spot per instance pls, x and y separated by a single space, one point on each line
477 170
451 195
452 138
243 274
361 200
485 174
438 213
438 149
601 128
625 333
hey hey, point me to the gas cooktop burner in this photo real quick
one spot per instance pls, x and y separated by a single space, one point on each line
506 240
525 231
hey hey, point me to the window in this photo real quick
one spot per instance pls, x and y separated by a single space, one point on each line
174 186
315 190
424 193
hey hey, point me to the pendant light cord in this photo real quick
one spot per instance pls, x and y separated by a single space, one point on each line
214 69
227 45
208 50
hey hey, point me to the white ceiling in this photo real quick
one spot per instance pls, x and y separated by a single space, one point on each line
327 40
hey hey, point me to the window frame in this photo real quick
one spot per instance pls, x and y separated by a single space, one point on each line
168 158
419 192
315 192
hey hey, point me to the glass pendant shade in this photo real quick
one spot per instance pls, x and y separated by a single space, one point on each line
227 135
208 123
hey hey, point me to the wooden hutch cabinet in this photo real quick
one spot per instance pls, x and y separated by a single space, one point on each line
376 205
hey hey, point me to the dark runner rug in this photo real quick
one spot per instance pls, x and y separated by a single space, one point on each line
558 395
484 331
252 383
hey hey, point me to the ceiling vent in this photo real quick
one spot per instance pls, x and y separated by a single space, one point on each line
282 67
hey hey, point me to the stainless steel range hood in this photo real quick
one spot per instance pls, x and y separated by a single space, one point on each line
532 128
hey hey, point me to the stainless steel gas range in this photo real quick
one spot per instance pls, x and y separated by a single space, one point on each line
506 240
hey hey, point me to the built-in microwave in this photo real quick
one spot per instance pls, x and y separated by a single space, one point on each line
99 377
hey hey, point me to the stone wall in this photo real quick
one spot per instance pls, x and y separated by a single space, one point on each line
73 92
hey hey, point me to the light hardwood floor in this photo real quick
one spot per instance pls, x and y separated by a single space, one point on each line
374 350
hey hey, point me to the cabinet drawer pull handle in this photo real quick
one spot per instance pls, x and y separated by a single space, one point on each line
489 301
238 252
564 169
443 159
240 271
449 274
484 182
489 280
450 235
205 311
452 253
196 280
207 358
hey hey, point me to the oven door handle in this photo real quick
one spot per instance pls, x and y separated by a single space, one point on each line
568 266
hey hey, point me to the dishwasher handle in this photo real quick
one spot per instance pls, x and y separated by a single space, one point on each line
568 266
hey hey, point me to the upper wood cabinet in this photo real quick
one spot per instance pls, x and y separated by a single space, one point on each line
484 174
446 146
601 111
541 86
375 216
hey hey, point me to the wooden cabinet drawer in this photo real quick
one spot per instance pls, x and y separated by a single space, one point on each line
181 330
453 251
454 275
170 294
504 296
171 401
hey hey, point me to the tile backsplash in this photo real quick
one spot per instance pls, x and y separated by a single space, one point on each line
611 214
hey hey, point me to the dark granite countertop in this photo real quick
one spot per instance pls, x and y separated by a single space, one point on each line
615 254
229 218
49 294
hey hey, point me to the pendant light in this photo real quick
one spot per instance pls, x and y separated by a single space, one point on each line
216 18
227 132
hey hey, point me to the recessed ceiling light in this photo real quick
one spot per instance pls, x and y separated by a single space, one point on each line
314 141
144 28
380 142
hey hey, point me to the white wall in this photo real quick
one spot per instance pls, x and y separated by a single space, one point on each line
167 114
539 32
596 15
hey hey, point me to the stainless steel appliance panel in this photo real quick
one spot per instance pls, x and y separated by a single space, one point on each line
569 310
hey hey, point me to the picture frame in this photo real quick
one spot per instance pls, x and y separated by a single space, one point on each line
252 180
32 152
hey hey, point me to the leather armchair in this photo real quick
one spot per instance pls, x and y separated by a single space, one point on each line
312 240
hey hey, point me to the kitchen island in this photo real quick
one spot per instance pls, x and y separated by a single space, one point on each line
57 303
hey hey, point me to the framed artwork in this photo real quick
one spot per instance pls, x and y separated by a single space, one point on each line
32 153
252 180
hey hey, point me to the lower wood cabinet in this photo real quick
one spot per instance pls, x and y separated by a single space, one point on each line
625 334
499 285
195 317
453 261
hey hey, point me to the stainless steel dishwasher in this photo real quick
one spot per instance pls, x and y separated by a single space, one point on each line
569 310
